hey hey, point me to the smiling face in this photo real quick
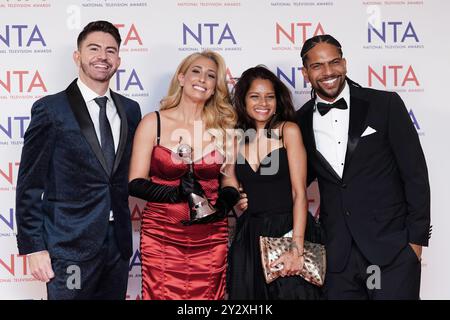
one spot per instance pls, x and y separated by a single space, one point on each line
325 69
261 101
199 81
97 57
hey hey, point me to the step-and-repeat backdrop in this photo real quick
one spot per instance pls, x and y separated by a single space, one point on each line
401 46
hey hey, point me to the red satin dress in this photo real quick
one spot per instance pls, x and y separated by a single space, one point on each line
182 262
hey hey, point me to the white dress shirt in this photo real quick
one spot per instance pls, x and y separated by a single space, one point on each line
94 111
331 132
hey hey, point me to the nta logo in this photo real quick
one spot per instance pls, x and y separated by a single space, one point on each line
132 33
14 126
22 81
211 33
21 35
391 31
293 76
392 75
126 79
297 32
17 265
8 220
10 173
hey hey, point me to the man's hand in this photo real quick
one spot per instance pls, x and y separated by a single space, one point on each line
40 266
417 250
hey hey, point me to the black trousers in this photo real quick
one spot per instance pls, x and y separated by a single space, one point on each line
105 277
399 280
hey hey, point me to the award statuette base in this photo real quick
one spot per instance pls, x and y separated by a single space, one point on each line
199 207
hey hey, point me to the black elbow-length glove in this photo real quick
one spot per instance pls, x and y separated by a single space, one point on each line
155 192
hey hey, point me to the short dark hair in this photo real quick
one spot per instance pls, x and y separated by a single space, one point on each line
284 109
103 26
312 42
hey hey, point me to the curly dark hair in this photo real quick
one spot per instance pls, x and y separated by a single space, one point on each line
103 26
284 109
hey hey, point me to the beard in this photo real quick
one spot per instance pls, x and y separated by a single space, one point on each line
89 70
331 93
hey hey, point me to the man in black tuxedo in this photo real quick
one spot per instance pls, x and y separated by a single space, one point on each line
72 192
375 197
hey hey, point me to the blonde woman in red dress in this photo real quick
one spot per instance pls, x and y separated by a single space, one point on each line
185 261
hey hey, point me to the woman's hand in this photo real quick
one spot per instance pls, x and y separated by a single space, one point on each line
242 204
292 262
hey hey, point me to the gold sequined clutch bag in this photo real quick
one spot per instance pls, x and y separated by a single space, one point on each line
314 267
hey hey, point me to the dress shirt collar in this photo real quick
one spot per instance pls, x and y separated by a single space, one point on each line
89 94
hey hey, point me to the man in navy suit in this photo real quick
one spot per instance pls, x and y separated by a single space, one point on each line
72 192
374 191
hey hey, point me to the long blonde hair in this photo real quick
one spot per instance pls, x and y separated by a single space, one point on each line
218 113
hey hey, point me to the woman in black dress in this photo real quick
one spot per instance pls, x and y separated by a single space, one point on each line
271 166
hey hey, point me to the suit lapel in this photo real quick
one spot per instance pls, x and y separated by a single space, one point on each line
327 165
312 141
123 130
357 122
308 130
84 120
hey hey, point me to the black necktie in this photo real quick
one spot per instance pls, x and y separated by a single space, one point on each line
106 136
323 108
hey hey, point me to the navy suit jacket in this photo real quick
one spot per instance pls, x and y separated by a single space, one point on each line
382 201
64 193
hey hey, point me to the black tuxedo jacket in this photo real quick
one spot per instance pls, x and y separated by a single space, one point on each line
64 193
382 201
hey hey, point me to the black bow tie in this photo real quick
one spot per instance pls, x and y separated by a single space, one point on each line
323 108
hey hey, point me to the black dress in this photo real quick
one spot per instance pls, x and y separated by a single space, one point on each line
269 213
